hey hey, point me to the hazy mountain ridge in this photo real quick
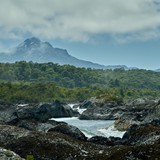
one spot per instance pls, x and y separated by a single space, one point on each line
157 70
35 50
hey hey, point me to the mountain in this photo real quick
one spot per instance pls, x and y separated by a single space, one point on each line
157 70
35 50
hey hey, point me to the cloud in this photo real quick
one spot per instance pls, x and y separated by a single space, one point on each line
139 36
79 20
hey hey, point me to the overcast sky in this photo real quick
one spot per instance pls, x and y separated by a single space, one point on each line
104 31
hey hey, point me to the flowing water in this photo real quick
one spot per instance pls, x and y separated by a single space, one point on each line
93 127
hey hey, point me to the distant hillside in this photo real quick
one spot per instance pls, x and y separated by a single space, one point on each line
37 82
35 50
157 70
70 76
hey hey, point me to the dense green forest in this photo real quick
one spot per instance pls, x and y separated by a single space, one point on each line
35 82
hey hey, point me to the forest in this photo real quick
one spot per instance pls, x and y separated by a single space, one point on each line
23 82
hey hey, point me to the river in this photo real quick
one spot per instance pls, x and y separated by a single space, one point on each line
92 127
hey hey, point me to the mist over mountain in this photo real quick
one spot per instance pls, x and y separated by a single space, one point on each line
35 50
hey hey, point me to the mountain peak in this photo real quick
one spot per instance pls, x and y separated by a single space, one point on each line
30 43
48 44
33 49
33 39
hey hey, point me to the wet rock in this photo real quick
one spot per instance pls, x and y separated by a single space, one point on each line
41 112
103 111
50 126
136 109
69 130
125 121
45 111
88 103
34 125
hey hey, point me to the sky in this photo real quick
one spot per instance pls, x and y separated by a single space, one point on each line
108 32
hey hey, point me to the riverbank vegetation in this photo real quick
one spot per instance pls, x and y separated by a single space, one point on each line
36 82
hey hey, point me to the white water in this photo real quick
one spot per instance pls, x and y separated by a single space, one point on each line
80 110
93 127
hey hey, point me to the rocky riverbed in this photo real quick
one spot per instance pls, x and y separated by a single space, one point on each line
27 131
124 113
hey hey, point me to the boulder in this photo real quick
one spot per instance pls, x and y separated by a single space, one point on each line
139 112
88 103
50 126
41 112
9 155
127 120
69 130
136 109
148 134
34 125
103 111
6 112
141 102
10 113
154 113
9 134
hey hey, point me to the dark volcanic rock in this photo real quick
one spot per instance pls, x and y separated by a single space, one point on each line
154 113
138 152
88 103
40 112
139 111
9 134
54 145
6 112
34 125
46 146
50 126
141 102
148 133
69 130
43 112
101 110
111 141
136 110
125 121
125 113
35 118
